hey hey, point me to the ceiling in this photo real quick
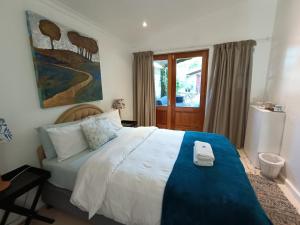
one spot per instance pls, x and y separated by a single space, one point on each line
124 18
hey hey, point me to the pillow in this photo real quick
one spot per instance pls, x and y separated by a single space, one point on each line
67 141
45 139
98 132
113 116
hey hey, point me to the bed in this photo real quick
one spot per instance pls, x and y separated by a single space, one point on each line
146 176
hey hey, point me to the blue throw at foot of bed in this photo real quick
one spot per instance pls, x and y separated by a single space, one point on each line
218 195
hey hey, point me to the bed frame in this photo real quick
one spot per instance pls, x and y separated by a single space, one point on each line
60 198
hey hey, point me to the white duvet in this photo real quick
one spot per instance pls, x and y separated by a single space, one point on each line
125 181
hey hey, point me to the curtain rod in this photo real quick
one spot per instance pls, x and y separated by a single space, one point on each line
196 47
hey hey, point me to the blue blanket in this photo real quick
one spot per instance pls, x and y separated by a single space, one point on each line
218 195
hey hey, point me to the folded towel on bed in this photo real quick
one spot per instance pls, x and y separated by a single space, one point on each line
203 151
203 154
202 162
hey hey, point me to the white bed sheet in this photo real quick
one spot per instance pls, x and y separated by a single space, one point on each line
63 174
134 189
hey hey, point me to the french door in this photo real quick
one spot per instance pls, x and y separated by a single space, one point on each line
180 89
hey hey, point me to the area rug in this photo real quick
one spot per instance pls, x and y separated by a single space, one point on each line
274 202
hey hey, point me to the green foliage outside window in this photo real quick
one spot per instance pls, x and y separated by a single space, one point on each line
164 81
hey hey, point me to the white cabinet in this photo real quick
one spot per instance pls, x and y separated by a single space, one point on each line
264 133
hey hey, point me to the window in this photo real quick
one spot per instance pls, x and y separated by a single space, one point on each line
188 81
161 82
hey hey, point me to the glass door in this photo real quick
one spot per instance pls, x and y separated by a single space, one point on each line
190 74
188 82
180 86
161 77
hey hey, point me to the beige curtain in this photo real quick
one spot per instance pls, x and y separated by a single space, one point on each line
144 89
229 90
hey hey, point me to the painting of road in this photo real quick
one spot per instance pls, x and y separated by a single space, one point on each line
66 62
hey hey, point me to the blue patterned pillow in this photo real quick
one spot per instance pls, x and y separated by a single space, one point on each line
97 132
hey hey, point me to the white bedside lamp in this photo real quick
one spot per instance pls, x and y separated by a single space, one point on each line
5 136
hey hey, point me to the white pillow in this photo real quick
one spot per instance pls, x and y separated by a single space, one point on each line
98 132
113 116
67 141
45 138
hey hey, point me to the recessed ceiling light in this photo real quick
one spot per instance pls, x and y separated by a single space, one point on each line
145 24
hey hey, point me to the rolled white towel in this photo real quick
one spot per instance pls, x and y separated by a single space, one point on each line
203 151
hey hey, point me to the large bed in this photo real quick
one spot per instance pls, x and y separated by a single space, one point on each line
146 176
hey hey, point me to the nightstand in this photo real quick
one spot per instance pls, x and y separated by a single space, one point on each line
129 123
23 180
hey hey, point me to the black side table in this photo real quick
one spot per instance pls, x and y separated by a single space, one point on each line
129 123
30 178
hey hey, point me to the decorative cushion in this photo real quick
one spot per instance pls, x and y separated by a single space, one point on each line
67 141
113 116
98 132
45 139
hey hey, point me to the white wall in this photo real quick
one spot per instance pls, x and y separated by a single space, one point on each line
19 103
283 85
249 19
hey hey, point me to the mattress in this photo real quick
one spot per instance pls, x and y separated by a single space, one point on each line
64 173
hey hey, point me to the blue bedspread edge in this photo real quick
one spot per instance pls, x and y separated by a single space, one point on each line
218 195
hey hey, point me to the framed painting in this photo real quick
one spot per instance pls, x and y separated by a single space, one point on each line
66 62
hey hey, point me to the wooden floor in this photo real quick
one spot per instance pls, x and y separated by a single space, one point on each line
65 219
60 218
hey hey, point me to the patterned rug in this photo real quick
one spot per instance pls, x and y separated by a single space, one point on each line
274 202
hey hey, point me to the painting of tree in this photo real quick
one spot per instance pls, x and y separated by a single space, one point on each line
66 62
86 46
51 30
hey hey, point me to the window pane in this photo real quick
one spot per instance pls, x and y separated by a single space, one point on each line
161 82
188 81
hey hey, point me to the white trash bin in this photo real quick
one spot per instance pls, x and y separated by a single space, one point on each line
270 164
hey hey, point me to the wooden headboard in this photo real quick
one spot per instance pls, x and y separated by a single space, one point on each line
75 113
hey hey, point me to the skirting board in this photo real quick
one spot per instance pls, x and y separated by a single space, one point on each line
292 190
